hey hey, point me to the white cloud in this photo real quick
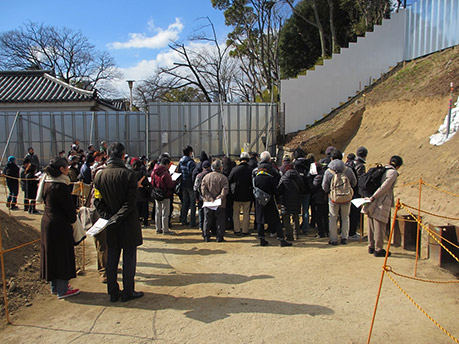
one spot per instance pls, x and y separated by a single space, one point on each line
160 40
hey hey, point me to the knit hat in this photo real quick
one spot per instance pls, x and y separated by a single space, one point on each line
362 152
11 159
133 160
206 164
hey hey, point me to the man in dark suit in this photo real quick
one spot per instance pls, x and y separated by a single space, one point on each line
115 199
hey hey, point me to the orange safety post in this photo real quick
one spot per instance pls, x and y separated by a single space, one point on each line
418 228
397 207
5 296
84 256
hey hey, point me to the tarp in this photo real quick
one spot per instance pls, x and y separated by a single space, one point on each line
440 137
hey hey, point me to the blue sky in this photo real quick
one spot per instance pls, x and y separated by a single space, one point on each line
136 33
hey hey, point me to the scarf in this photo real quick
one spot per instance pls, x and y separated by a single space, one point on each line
49 179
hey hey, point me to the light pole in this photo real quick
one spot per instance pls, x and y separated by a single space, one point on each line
131 84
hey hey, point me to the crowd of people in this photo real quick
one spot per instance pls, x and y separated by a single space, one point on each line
289 201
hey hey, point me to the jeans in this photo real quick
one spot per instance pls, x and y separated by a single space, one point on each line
305 216
13 188
59 286
334 210
162 215
188 203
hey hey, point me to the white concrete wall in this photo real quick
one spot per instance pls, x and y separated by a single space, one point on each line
310 96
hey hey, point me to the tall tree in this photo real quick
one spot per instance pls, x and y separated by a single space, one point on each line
209 69
67 53
254 41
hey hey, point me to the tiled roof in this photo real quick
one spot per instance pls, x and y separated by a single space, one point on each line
38 86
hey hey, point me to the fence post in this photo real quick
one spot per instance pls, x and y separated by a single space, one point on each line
5 297
397 207
418 228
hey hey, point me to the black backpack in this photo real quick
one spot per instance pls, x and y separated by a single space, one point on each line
371 181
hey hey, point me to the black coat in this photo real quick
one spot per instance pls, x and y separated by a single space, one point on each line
269 212
11 170
143 193
57 245
116 195
289 188
31 186
320 196
240 181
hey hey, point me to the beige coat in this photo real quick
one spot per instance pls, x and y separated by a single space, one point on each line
379 209
215 185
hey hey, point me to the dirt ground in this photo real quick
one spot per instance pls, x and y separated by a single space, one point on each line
239 292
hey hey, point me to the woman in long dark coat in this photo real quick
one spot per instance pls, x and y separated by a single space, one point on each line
57 244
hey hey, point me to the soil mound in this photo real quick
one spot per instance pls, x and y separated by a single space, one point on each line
398 116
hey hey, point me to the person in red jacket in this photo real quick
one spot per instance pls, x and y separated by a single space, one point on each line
161 179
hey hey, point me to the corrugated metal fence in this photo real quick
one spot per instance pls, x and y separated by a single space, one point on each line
205 126
431 25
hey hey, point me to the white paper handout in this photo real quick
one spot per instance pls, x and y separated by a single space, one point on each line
98 227
175 176
172 168
213 205
358 202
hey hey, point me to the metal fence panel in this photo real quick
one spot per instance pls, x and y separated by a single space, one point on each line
212 127
167 127
431 25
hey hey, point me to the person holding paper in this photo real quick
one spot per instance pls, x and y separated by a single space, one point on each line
378 210
161 179
115 192
56 248
214 187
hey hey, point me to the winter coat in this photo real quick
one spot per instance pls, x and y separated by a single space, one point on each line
85 174
115 199
359 165
253 163
271 170
320 196
289 189
22 175
161 178
215 185
33 160
240 181
379 209
186 167
269 212
31 186
198 182
339 167
11 170
57 245
143 192
73 174
303 165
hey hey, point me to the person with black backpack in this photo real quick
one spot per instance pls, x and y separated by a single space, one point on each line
338 182
378 210
289 188
302 166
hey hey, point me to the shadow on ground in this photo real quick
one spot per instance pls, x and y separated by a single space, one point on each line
191 278
205 309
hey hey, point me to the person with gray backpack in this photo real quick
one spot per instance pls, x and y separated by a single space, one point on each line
338 182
